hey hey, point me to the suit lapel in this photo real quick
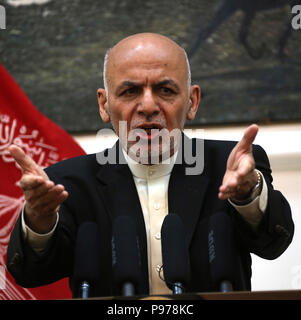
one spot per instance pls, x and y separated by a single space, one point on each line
118 189
186 193
119 192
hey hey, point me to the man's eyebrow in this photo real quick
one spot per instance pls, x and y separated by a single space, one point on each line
126 84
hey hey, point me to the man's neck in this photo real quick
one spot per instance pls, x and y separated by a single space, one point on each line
155 170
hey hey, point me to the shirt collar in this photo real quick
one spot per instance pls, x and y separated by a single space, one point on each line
148 172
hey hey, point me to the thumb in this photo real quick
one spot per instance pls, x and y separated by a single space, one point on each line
27 164
248 138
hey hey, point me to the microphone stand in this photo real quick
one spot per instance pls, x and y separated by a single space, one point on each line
226 286
177 288
84 290
128 289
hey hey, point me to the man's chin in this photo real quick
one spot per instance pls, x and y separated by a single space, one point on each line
153 150
151 155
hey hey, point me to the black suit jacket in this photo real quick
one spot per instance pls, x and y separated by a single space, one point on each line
102 192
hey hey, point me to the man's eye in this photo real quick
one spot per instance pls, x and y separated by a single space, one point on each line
166 90
130 91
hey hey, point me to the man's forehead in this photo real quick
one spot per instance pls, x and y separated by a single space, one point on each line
156 54
149 50
149 73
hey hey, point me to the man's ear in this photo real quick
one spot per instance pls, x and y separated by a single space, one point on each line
195 97
103 105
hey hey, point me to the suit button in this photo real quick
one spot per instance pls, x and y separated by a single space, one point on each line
157 206
158 236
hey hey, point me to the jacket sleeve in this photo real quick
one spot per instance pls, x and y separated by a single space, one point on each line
30 269
276 229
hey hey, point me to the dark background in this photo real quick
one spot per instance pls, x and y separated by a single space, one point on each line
247 62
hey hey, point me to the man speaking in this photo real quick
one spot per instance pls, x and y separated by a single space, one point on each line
147 96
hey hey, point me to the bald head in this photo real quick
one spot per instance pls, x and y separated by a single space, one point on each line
149 47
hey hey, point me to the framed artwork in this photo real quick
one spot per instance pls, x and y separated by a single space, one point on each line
245 55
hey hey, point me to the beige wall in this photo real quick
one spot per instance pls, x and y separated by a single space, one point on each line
283 146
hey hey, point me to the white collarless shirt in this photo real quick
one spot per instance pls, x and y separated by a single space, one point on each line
152 186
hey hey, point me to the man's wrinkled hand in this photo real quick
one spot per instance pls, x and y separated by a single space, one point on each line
43 197
240 177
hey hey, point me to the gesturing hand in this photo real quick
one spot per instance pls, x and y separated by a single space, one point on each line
240 177
42 196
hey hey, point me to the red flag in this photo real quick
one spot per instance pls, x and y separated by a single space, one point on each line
23 125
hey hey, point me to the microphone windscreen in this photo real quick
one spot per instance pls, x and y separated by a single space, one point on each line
221 249
175 255
125 251
87 253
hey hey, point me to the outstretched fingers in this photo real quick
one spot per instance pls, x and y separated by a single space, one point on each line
245 144
22 159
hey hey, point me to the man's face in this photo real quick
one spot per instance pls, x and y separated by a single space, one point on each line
147 88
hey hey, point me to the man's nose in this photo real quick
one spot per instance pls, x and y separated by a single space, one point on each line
148 105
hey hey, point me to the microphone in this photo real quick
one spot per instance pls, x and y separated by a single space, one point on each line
222 252
87 258
126 255
175 256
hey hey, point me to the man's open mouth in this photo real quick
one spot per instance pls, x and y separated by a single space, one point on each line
148 131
